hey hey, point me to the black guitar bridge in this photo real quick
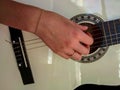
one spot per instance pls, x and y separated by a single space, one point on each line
21 55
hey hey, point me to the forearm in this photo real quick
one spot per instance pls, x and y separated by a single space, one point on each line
18 15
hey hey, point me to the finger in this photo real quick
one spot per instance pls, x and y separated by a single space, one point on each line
90 35
88 47
82 27
85 38
69 51
82 49
76 56
63 55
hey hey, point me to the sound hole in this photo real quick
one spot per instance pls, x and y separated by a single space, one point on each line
96 33
97 50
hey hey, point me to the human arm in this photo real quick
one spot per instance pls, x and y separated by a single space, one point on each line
59 33
19 15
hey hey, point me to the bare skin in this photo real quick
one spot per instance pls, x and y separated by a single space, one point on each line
60 34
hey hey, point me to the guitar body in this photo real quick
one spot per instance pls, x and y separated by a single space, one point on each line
51 72
47 67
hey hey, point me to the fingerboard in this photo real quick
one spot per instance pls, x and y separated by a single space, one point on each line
109 33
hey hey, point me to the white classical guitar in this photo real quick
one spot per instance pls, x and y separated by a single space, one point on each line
31 56
104 34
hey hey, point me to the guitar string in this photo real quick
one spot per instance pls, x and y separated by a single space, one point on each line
95 46
96 34
114 26
27 44
98 42
103 37
97 25
32 39
93 31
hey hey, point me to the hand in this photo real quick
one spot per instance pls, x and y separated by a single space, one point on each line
63 36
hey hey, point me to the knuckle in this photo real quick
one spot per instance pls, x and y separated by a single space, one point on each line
71 43
62 55
76 34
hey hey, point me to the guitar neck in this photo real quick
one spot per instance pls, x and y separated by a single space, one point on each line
107 33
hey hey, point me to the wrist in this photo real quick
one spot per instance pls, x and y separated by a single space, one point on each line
38 21
33 20
18 15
